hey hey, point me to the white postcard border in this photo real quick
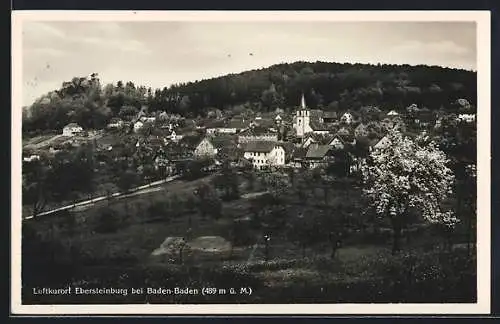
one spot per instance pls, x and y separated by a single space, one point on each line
482 19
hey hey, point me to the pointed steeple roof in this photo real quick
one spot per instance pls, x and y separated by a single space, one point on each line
303 102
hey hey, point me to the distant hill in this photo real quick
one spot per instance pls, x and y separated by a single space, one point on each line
329 86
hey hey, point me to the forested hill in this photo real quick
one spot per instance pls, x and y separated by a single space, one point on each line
330 86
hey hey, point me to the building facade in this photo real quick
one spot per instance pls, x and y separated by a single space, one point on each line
264 154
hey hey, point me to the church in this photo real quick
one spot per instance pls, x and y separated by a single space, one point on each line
308 121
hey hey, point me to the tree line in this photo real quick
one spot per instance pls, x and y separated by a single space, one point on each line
329 86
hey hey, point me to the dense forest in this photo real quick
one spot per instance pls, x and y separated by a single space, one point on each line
329 86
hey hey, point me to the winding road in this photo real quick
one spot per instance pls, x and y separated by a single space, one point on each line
152 187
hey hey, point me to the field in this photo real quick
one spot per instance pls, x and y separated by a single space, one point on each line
364 270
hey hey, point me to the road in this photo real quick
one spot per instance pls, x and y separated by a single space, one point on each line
154 186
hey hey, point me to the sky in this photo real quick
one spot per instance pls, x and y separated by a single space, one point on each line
157 54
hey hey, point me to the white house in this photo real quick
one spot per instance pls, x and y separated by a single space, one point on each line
138 125
347 118
468 118
72 129
221 127
145 119
115 123
205 149
263 154
392 113
30 158
383 143
337 142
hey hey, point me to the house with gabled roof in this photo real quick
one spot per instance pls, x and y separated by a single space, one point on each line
383 143
347 118
264 153
317 155
337 142
138 125
318 127
212 146
344 131
72 129
115 123
329 117
308 140
361 131
232 126
298 157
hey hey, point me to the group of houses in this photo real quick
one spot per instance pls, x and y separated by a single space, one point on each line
316 137
308 138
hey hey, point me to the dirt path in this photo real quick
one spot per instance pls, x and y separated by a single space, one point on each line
82 205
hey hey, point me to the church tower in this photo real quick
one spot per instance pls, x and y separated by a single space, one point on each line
302 117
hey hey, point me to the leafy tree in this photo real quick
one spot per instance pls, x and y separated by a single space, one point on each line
344 86
228 181
35 185
127 180
207 201
304 230
407 176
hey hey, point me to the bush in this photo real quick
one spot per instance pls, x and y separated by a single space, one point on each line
108 221
159 210
242 234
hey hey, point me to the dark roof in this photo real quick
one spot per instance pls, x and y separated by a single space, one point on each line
190 141
299 153
316 151
344 131
214 123
259 146
72 125
236 123
265 122
360 127
341 138
222 141
320 139
255 131
329 114
155 141
346 138
316 113
317 125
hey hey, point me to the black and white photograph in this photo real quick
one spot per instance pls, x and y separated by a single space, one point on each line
221 162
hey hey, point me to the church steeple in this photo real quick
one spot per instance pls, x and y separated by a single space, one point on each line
303 102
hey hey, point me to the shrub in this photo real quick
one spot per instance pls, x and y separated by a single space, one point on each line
108 221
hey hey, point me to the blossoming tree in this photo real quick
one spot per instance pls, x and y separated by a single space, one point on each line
408 175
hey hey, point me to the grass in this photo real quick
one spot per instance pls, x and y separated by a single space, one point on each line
363 271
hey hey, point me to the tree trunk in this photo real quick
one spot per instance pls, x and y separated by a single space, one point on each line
408 236
180 255
334 251
396 243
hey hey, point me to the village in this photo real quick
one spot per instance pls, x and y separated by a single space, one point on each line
303 138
